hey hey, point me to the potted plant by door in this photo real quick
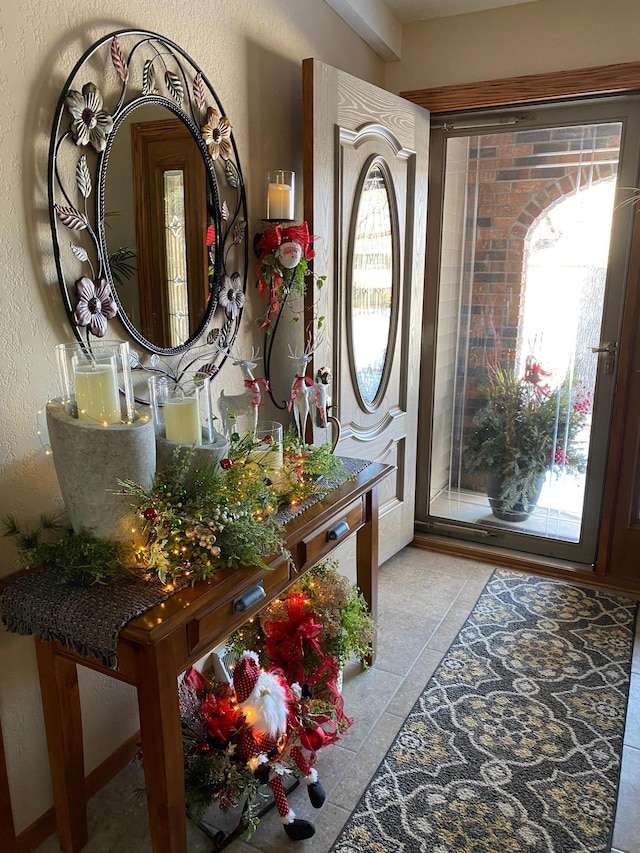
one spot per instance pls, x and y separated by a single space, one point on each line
523 431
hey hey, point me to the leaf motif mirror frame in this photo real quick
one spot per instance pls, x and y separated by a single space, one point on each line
112 79
375 162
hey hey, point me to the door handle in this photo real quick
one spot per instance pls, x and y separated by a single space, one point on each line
611 348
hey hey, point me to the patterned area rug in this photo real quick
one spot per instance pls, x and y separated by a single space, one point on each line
515 744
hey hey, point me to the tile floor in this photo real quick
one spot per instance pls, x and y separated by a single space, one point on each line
424 600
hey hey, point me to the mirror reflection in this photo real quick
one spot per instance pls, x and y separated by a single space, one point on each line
371 283
161 259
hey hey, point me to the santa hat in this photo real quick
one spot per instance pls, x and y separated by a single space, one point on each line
245 675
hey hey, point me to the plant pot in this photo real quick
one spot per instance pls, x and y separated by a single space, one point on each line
520 511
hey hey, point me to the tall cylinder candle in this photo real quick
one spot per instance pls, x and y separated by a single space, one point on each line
97 393
182 420
280 194
279 201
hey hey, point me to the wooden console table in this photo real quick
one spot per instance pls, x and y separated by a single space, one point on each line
153 649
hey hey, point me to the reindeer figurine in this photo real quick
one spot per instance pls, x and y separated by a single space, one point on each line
232 406
306 393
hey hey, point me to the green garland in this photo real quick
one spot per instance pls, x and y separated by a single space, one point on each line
196 520
224 513
79 559
199 520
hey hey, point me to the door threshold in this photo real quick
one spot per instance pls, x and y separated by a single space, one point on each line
487 553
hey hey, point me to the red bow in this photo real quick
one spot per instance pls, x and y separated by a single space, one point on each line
253 385
219 716
275 235
298 383
286 637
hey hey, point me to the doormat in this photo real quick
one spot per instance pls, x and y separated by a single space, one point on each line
515 743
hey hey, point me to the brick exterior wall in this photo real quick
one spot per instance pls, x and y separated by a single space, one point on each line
514 179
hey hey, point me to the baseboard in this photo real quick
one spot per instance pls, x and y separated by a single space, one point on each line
44 826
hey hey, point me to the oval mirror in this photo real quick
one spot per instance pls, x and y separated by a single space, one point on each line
147 205
161 266
373 271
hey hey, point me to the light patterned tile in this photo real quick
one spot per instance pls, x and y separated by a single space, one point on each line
365 763
632 728
449 627
366 696
401 639
420 592
626 833
415 682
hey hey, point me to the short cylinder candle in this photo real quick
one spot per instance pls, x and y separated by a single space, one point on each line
182 420
97 393
267 451
268 456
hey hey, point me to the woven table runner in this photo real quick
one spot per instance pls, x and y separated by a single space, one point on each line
89 620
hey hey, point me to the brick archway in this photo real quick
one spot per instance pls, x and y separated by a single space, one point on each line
515 178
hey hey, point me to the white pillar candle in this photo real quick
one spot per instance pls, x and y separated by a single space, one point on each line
279 201
97 394
182 420
267 456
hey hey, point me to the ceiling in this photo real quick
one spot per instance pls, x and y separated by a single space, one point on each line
380 22
407 11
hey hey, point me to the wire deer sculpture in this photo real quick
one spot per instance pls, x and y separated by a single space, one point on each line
305 392
233 406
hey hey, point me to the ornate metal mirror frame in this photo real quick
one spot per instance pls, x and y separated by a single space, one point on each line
119 78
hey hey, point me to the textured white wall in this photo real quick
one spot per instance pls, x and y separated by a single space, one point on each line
251 53
532 38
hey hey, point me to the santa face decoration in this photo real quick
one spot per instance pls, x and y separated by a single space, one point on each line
289 255
265 708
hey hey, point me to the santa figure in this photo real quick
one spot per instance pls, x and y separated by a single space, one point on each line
269 741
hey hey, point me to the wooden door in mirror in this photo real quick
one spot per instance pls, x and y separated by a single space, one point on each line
170 180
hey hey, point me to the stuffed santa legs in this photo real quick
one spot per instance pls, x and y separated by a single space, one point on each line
268 740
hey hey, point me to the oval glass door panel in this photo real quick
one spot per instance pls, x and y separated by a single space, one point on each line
371 283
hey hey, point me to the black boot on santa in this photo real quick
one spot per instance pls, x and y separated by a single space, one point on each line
299 829
315 790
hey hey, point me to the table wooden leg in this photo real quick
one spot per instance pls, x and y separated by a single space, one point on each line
161 735
63 723
367 559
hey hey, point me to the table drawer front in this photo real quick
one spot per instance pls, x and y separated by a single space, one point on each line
222 618
338 528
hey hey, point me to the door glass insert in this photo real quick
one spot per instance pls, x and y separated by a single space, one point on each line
527 221
371 283
175 246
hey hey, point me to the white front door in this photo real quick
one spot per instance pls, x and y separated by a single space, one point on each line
365 188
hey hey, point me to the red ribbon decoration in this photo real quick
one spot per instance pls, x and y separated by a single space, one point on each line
195 679
285 645
275 235
286 638
253 385
298 383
